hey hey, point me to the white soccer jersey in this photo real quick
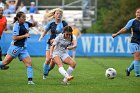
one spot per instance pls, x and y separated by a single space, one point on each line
61 44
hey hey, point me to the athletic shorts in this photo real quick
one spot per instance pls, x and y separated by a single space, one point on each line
134 47
20 52
63 56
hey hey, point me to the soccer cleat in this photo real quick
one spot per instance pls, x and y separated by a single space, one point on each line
4 67
65 83
127 72
70 78
31 83
138 76
44 77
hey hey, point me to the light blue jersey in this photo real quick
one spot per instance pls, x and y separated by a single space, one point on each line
18 48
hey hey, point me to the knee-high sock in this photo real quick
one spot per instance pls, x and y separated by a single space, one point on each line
63 72
46 69
29 72
131 67
50 68
70 70
1 64
137 67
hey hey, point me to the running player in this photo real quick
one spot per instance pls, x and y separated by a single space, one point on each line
18 47
63 42
134 25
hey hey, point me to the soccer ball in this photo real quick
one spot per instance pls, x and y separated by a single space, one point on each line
110 73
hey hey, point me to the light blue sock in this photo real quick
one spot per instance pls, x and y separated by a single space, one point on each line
29 72
46 69
50 68
131 67
1 63
137 67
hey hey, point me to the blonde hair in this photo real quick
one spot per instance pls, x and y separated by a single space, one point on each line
51 13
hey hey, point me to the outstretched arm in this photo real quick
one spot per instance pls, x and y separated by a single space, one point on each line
123 30
42 35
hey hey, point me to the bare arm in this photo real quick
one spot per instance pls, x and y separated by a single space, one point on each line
42 35
123 30
51 50
34 23
16 2
74 45
21 37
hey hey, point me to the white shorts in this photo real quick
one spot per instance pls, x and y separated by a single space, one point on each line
63 56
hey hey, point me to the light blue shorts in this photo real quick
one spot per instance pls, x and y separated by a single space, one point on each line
20 52
134 47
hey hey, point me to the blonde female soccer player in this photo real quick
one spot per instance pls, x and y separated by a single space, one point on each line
55 26
63 42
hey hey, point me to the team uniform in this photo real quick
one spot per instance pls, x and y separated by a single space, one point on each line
18 48
55 29
134 45
61 45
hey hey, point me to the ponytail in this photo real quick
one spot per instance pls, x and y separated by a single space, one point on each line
18 15
15 19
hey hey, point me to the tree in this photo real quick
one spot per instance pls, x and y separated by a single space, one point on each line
113 15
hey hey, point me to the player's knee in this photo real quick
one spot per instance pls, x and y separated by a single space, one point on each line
47 61
6 61
29 63
137 57
73 64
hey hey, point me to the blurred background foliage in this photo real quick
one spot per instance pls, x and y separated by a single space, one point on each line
112 15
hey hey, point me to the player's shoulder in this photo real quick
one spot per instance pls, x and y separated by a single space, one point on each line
16 24
132 20
60 35
51 21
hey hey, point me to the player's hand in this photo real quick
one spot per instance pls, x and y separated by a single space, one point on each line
51 41
27 35
114 35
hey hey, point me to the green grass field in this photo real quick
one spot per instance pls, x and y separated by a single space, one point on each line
89 77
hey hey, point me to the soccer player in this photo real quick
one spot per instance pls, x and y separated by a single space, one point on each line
3 23
58 52
55 26
18 47
134 25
